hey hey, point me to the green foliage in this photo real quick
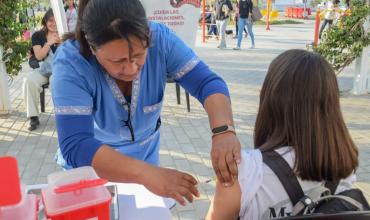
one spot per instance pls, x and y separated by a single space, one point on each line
278 22
345 40
11 30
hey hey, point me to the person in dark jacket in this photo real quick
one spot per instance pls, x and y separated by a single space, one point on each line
245 19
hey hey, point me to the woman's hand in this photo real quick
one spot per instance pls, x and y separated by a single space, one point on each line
53 39
225 155
170 183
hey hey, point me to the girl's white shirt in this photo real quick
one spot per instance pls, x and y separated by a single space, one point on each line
263 196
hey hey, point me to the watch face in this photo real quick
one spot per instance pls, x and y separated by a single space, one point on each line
219 129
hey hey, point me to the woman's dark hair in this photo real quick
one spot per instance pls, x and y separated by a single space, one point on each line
299 107
49 13
101 21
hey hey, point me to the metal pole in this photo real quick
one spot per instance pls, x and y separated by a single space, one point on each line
317 26
60 16
204 20
268 14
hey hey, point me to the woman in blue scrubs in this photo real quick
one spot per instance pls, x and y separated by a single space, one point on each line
108 87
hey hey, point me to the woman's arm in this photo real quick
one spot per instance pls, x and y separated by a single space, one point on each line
213 93
226 203
42 51
225 147
80 148
211 90
116 167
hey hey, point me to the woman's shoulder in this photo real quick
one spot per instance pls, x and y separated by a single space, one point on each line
250 176
159 31
68 54
69 51
160 35
155 26
251 161
39 33
38 36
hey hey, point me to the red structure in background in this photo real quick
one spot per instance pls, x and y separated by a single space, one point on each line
268 14
296 12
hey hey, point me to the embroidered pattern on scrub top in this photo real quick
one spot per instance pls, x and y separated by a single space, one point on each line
187 68
119 96
73 110
148 139
152 108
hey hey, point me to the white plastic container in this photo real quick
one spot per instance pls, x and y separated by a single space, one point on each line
26 209
15 204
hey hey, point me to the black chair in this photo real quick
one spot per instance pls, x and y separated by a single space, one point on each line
42 97
170 80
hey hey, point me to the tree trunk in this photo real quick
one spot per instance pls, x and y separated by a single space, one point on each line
4 89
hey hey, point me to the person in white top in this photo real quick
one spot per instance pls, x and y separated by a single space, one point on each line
71 15
330 14
300 118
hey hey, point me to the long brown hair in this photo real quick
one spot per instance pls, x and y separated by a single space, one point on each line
299 107
48 14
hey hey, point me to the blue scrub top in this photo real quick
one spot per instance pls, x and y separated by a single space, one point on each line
90 108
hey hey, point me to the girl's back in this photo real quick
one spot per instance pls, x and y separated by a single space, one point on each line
263 196
299 107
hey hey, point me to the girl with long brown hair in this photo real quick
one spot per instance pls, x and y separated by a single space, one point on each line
299 117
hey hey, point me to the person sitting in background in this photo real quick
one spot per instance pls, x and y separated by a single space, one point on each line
44 45
299 118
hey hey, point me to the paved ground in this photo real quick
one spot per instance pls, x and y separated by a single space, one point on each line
186 136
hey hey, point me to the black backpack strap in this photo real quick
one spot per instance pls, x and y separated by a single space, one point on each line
285 174
332 186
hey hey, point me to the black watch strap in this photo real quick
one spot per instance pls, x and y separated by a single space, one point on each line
223 129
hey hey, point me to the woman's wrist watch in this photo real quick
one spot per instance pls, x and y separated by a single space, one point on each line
223 129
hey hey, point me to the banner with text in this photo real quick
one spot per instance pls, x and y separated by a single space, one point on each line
179 15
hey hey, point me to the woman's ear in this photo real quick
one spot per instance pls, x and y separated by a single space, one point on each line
92 50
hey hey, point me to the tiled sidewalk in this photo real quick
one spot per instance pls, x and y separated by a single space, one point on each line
185 136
